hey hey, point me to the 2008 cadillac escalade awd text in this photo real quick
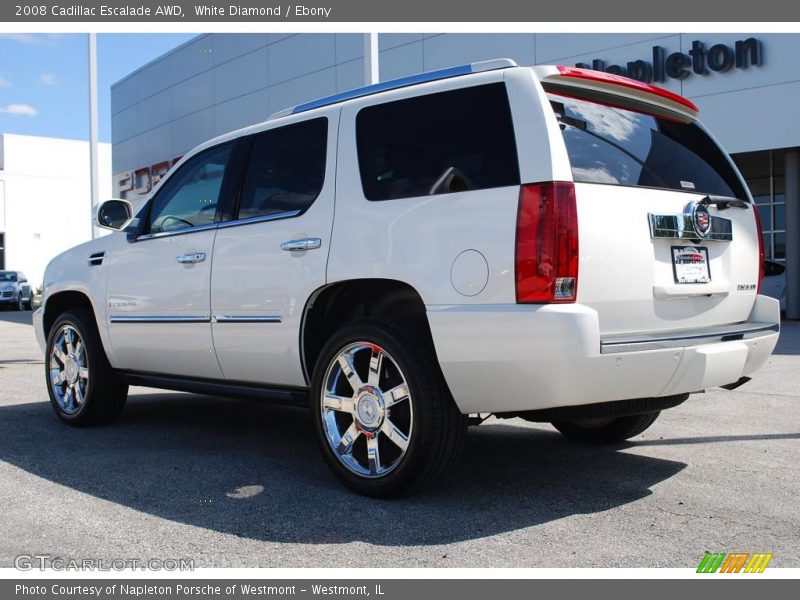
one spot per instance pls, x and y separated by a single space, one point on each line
550 243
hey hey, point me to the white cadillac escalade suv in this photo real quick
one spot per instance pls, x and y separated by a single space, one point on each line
549 243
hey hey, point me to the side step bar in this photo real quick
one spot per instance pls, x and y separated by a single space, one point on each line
212 387
613 344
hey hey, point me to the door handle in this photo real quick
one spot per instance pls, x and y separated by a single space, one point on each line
189 259
299 245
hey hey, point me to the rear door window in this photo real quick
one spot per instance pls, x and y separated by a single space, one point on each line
285 170
622 147
459 140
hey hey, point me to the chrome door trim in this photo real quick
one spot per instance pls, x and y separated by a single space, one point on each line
246 319
261 219
301 245
191 258
679 339
159 319
185 230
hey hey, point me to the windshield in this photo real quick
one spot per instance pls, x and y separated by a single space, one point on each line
8 276
622 147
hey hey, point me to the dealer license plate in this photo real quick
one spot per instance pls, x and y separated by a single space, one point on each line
690 264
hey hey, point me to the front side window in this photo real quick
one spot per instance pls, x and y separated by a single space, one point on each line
190 197
622 147
286 169
453 141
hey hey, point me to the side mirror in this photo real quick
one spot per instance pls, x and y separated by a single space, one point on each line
114 214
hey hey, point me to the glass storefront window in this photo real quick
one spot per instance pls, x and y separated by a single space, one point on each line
765 176
766 217
780 216
779 247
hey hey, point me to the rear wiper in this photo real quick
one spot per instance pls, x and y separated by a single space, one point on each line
723 202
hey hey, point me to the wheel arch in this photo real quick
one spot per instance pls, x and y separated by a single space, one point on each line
63 301
336 304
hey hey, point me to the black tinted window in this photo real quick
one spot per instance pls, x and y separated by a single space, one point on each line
190 197
286 169
451 141
773 269
622 147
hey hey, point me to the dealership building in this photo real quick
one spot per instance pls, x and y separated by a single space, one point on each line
745 85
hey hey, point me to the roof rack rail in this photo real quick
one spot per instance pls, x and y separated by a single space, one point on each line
476 67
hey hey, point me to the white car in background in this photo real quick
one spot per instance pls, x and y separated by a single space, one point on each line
15 291
550 243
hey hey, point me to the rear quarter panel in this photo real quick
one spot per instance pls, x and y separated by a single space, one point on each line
416 240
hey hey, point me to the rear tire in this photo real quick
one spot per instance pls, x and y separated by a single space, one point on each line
83 387
607 431
384 418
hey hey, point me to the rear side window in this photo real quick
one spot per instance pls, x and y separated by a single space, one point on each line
621 147
286 169
452 141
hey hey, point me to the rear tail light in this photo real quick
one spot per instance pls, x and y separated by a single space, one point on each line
760 247
546 262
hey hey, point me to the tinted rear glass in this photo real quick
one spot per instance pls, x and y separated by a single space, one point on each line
286 169
621 147
405 147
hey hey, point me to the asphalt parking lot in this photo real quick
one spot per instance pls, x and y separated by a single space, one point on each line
231 483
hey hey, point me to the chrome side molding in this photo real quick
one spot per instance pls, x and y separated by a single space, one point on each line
159 319
246 319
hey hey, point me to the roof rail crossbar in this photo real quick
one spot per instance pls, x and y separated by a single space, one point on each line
476 67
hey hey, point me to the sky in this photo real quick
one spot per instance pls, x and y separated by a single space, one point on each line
44 79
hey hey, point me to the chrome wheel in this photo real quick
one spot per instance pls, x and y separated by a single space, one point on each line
69 369
366 410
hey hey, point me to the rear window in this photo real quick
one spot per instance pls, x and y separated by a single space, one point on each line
459 140
622 147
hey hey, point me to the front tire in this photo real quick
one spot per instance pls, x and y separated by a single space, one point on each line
609 430
384 417
83 388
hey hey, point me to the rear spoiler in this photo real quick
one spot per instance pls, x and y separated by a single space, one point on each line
615 90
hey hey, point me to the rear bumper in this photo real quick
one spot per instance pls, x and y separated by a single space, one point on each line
507 358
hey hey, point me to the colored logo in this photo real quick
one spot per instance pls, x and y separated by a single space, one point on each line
734 562
702 220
